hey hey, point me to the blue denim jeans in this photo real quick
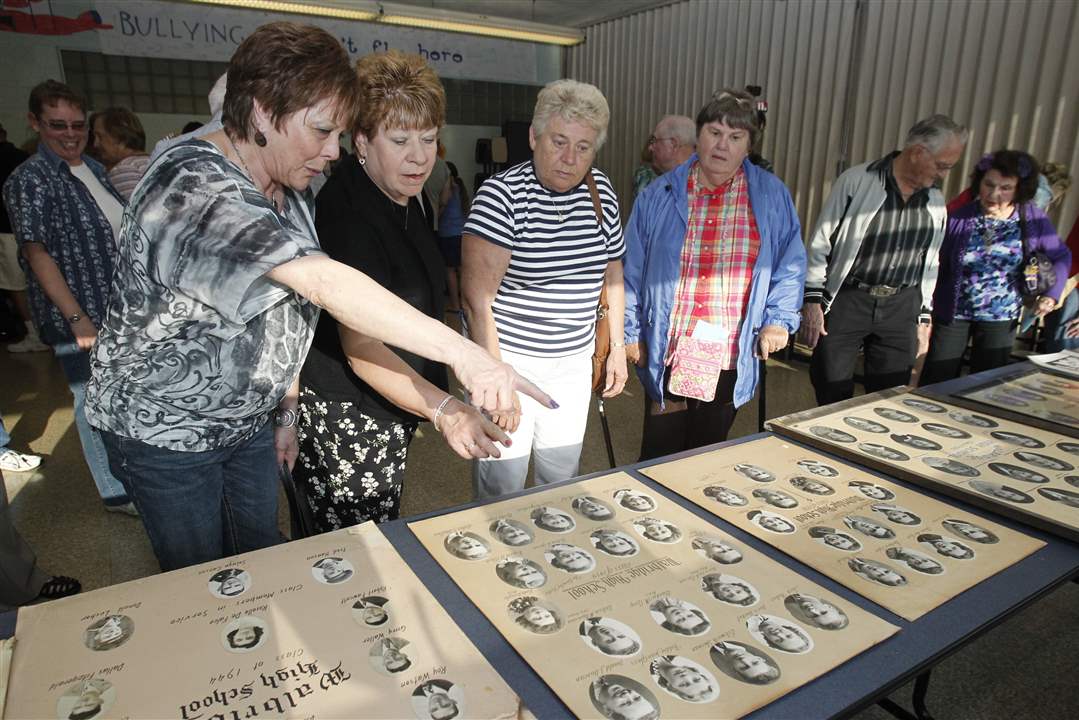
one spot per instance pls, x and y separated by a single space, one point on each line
76 365
201 506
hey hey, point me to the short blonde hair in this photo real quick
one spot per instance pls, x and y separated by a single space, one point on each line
398 89
574 102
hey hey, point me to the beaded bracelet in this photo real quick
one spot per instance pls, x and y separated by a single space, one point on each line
440 410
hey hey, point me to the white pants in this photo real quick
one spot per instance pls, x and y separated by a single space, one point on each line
552 437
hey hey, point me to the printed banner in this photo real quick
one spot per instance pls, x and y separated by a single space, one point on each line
899 548
630 606
334 626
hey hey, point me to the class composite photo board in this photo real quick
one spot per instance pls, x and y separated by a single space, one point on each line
334 626
1065 362
630 606
1025 473
903 550
1027 395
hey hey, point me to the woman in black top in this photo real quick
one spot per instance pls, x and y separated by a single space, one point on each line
360 401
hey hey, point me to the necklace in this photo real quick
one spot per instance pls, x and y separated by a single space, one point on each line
247 171
558 207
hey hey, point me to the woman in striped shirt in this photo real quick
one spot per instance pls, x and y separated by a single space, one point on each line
535 256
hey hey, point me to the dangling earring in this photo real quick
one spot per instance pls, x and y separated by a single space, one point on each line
260 139
363 160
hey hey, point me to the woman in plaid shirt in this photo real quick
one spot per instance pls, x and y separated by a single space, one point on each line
714 271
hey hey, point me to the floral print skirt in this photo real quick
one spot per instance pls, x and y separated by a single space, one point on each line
351 466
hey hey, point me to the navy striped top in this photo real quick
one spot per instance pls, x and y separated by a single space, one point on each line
546 302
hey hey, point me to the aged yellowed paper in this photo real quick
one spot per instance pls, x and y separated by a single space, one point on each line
1033 393
630 606
899 548
334 626
1014 469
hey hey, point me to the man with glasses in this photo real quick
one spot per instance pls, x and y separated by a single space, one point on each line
65 216
672 142
872 263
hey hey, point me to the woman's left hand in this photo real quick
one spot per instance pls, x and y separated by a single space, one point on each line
1072 329
469 433
772 338
284 440
617 374
1044 306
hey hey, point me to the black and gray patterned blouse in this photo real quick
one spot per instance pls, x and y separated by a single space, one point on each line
198 345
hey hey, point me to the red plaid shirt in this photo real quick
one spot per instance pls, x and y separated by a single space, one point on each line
720 250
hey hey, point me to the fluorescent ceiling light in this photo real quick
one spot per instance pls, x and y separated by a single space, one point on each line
415 17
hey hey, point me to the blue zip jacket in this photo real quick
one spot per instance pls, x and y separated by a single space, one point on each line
654 239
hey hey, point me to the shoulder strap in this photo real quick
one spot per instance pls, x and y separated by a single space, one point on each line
596 204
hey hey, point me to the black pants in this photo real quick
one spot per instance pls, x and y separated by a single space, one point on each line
884 328
701 423
993 342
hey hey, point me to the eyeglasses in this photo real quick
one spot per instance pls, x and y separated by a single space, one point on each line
653 140
60 125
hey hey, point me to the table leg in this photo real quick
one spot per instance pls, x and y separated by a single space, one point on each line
921 712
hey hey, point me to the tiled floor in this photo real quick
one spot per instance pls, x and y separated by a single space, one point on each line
1022 669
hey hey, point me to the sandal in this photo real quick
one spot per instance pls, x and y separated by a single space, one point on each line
17 462
59 586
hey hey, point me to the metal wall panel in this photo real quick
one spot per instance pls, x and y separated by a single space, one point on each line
844 79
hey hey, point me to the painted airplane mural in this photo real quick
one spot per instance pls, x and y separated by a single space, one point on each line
13 19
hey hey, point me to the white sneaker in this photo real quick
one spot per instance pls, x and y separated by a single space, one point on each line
30 343
125 509
18 462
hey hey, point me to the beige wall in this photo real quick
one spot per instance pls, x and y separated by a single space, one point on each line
1006 68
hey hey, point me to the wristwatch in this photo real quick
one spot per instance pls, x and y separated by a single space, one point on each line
285 418
74 318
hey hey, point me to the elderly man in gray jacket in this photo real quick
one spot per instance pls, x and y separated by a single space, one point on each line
872 263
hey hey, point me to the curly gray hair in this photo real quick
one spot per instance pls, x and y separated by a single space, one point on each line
573 101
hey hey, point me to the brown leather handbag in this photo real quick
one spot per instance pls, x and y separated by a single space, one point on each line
603 330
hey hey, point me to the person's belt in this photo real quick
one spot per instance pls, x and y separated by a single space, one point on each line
874 290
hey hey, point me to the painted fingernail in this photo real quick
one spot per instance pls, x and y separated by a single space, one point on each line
554 405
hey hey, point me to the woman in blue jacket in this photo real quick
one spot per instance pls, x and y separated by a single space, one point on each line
714 272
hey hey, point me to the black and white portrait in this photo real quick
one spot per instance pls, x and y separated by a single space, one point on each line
371 611
895 415
779 634
634 500
876 572
946 546
775 498
871 491
978 421
815 467
1064 497
945 431
816 612
467 546
723 494
970 531
679 616
754 472
438 700
618 697
720 551
592 508
919 562
552 520
835 539
730 589
868 527
1017 439
609 637
1001 492
540 617
1015 472
229 583
865 425
744 663
332 570
569 559
389 656
896 514
109 632
520 573
656 530
511 532
924 405
1043 461
832 434
685 679
811 486
614 542
244 634
86 700
770 521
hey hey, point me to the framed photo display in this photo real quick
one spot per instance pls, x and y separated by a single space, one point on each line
629 605
1022 472
898 547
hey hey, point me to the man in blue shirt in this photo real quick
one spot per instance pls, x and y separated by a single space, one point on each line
65 216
